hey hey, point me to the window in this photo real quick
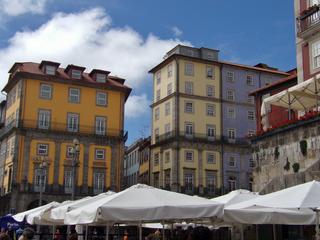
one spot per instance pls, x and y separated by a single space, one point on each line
74 95
210 91
316 54
101 99
167 174
188 155
101 78
101 125
211 110
232 183
167 156
211 131
210 182
45 91
158 95
39 179
169 69
230 95
156 159
211 158
232 161
158 77
231 113
42 149
169 88
251 133
44 117
249 80
230 76
156 134
98 182
189 69
73 122
188 182
167 108
251 99
156 181
250 115
188 108
189 87
156 113
68 181
231 134
76 74
189 129
99 154
209 71
50 70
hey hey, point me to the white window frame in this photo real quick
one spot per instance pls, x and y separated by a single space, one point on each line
73 122
45 91
211 110
210 182
250 99
210 72
211 131
100 125
211 158
101 78
167 107
44 119
189 129
98 181
156 134
232 183
157 113
188 181
50 70
167 156
231 95
158 77
250 81
231 134
188 155
230 76
42 149
188 107
158 95
232 160
210 91
156 159
231 113
76 74
250 115
189 69
69 152
188 87
316 54
169 88
100 154
101 99
167 128
74 95
67 181
169 70
38 174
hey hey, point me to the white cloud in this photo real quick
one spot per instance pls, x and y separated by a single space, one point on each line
88 39
137 106
176 31
19 7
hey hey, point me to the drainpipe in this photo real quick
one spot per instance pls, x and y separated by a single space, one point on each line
221 133
177 109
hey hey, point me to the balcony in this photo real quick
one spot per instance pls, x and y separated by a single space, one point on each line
63 128
309 22
184 136
236 141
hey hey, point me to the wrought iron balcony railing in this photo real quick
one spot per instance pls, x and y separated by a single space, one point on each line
308 19
63 128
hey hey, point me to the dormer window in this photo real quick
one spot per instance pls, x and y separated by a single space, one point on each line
101 78
50 70
76 74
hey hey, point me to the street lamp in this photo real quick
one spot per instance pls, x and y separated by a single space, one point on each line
75 161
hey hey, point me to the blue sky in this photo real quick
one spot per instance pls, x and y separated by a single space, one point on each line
128 37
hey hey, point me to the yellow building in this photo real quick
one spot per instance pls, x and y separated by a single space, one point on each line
186 124
47 108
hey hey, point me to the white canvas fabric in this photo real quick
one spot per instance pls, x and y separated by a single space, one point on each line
33 216
235 196
145 204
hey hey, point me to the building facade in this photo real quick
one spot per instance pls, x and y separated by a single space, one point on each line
307 15
144 159
46 110
199 139
132 163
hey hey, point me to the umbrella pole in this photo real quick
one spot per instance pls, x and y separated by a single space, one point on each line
140 231
274 232
242 234
317 225
86 236
163 231
107 232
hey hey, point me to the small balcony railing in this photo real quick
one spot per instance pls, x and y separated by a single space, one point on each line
308 19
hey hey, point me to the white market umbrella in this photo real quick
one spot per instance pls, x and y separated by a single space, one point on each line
144 204
235 196
33 216
57 214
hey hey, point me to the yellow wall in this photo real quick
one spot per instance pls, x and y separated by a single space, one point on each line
86 109
143 168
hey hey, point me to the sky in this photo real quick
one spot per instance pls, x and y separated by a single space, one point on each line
129 37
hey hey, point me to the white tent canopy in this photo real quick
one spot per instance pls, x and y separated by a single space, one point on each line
143 204
33 216
235 196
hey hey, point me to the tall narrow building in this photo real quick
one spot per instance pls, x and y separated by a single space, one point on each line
62 126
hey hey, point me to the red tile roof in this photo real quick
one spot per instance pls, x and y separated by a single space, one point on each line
34 68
